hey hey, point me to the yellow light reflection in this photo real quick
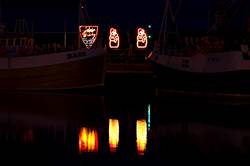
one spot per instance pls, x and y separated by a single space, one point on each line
88 140
113 134
141 136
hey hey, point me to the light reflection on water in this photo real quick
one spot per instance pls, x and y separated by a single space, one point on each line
66 126
141 136
88 140
113 134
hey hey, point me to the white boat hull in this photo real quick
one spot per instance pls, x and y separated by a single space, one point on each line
229 74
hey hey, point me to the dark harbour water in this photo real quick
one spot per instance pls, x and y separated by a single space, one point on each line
118 129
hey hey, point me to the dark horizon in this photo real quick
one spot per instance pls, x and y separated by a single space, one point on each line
52 16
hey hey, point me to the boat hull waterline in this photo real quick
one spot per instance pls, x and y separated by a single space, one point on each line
64 70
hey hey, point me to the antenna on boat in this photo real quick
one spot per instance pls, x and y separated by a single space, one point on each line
248 19
83 17
2 26
21 26
164 30
224 12
0 11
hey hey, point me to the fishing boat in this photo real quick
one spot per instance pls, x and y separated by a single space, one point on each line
214 61
27 66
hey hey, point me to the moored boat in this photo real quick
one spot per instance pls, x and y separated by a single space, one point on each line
214 61
26 66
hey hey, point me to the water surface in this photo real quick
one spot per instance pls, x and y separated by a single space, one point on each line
73 129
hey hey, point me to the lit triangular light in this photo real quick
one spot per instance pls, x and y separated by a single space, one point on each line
88 34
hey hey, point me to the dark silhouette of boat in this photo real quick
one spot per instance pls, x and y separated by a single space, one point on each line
26 66
217 60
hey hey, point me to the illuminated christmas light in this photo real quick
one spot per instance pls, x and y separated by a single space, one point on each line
88 34
114 40
142 40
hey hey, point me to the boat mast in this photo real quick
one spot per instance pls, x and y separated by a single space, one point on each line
83 18
65 34
248 19
223 14
21 26
79 23
168 25
2 26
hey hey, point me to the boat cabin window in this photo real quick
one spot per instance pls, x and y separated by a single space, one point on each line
22 42
2 42
25 42
30 42
10 42
18 42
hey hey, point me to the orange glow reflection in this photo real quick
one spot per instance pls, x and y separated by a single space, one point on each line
142 39
113 134
141 136
88 140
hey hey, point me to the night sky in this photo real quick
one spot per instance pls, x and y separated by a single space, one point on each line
49 15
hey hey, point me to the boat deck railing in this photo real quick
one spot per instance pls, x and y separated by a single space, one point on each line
127 56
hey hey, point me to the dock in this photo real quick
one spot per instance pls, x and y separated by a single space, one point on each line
129 72
125 61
